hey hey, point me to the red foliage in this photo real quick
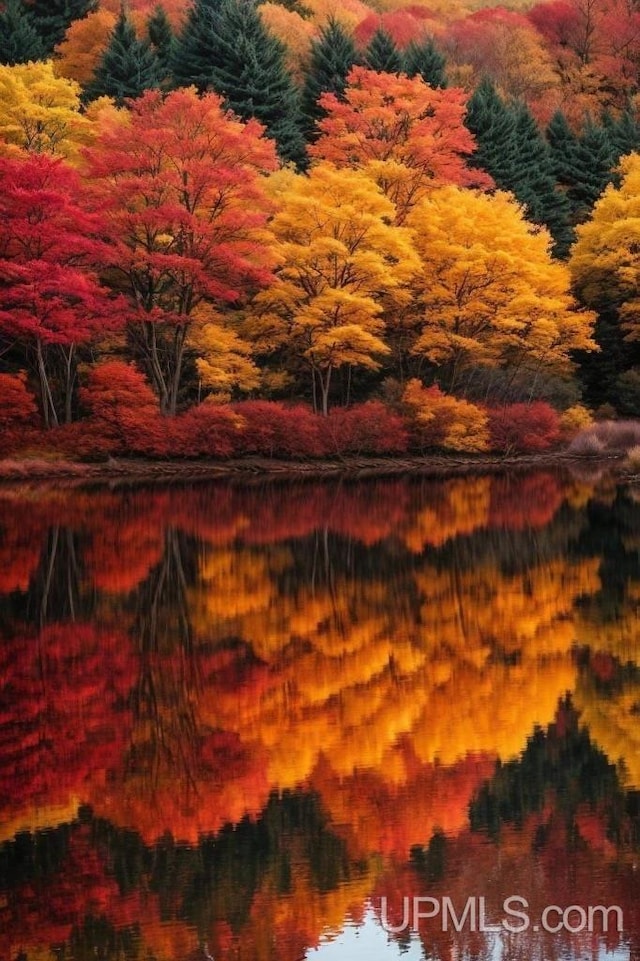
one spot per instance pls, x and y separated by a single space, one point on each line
369 428
524 428
18 411
403 26
206 430
518 503
274 430
124 410
47 237
557 21
62 716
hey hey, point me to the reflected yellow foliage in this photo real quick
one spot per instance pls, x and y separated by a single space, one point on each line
347 671
464 509
612 720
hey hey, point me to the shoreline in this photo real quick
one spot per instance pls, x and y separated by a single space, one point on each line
135 471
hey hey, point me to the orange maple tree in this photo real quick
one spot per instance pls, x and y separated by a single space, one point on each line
408 136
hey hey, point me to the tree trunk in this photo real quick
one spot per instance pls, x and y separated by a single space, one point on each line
49 412
68 386
178 355
325 383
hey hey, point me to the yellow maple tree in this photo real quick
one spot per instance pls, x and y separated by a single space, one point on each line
489 293
341 263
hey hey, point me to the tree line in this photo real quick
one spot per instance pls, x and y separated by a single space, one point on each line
372 231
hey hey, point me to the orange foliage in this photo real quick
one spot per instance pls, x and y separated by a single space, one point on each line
408 136
84 43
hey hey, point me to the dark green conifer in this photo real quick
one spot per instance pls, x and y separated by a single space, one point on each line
493 126
194 46
593 161
226 47
511 148
535 184
423 59
563 143
127 68
162 41
332 56
53 17
623 133
19 39
382 54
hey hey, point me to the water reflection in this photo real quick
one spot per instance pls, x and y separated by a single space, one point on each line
238 720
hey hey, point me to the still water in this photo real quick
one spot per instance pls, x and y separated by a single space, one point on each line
321 722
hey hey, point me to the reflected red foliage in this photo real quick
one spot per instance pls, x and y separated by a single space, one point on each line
528 501
63 714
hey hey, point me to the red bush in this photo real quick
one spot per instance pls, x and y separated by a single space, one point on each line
207 430
524 428
273 430
369 428
125 417
18 412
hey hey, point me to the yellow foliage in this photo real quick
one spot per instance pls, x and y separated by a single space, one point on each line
224 359
464 509
341 263
292 30
575 419
40 112
349 13
612 722
489 292
605 261
463 426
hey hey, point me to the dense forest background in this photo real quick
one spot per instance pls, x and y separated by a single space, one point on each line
306 228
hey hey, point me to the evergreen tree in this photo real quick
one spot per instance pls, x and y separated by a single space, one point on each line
162 41
493 126
226 47
382 54
194 46
332 56
535 183
511 148
623 133
593 160
423 59
53 17
127 68
19 39
563 144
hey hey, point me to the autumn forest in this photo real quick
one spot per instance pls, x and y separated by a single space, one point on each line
308 229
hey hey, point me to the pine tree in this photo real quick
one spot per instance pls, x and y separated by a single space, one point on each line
193 47
511 148
425 60
493 126
593 160
331 58
53 17
382 54
127 68
535 183
19 39
623 133
226 47
562 144
162 41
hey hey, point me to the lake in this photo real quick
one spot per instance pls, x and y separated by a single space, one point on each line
337 721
